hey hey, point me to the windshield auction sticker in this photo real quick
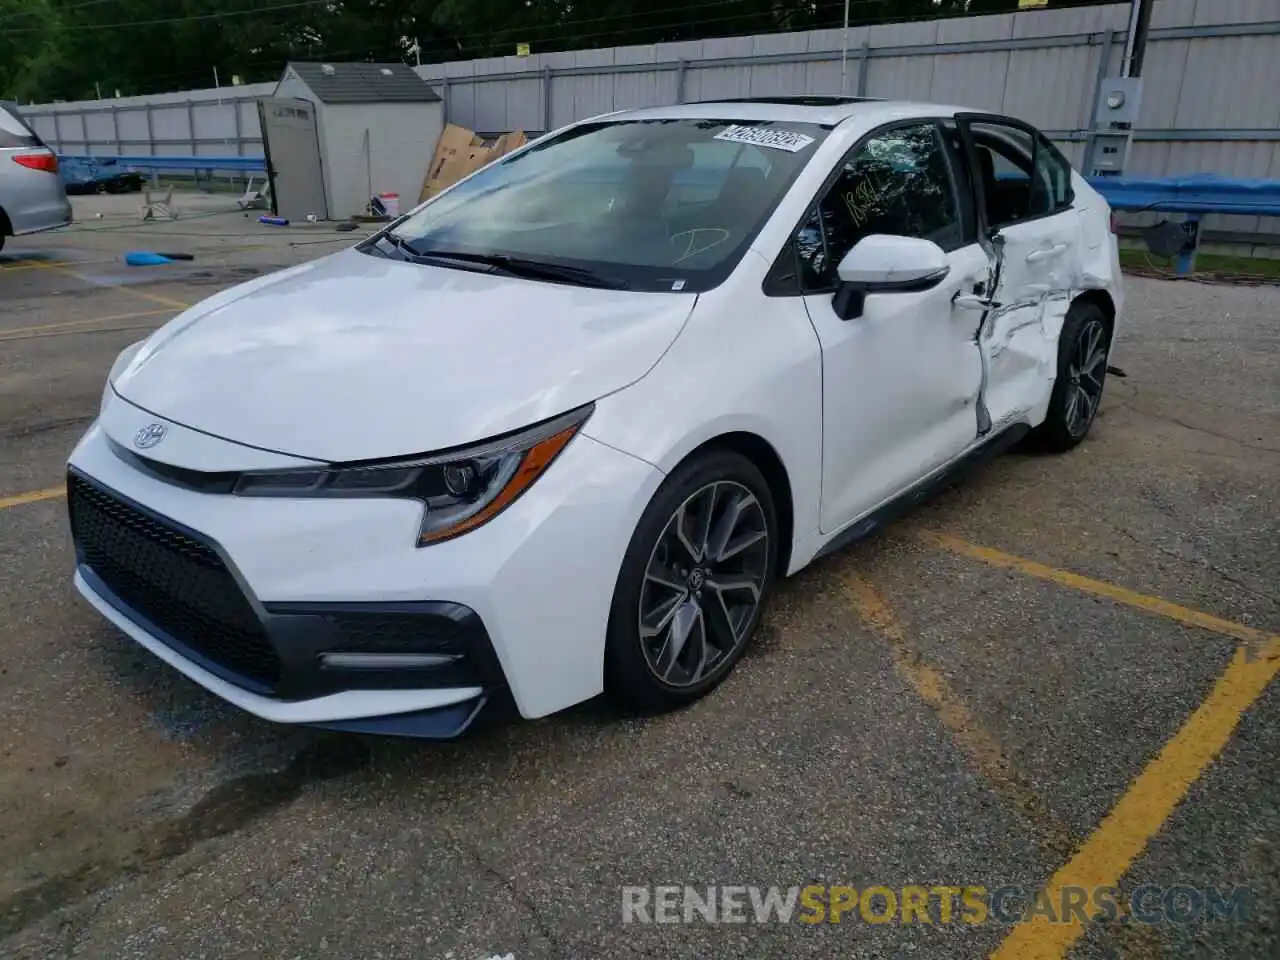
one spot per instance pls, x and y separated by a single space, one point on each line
788 140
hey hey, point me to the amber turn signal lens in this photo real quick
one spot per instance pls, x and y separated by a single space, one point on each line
535 460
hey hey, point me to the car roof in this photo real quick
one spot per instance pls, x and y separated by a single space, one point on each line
826 111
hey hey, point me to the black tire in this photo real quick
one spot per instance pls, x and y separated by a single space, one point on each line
1082 377
631 674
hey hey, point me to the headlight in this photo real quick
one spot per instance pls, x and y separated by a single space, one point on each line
461 489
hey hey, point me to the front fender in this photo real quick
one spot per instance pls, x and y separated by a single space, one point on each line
756 371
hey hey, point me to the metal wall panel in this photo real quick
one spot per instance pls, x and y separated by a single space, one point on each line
970 79
1165 72
120 126
714 83
132 125
1052 88
1233 11
1231 82
900 78
99 127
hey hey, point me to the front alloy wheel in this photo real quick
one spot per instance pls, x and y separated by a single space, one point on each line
703 583
693 584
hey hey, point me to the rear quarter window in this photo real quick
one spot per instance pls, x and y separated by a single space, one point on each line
14 132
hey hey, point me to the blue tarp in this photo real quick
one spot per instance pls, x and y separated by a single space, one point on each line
87 170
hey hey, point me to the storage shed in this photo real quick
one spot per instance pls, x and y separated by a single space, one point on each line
377 125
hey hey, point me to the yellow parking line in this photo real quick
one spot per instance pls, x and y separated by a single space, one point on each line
981 746
42 265
1108 853
1184 615
31 497
1152 797
145 295
7 334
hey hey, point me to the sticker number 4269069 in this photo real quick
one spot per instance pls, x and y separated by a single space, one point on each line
789 140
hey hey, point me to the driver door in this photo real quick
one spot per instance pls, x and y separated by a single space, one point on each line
900 383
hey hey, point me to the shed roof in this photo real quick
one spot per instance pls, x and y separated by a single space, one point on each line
362 82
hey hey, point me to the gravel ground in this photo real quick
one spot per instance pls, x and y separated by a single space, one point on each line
909 716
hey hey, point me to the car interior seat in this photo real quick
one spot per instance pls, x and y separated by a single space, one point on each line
1006 199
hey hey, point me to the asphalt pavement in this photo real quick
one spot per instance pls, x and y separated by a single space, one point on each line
1056 676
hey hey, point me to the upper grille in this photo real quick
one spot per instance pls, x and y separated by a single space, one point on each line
176 581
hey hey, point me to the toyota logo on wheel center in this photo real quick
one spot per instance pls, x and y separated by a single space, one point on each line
149 435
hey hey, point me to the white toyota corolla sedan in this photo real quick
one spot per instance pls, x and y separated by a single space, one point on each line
560 430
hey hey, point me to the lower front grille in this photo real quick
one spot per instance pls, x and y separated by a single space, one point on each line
173 579
367 631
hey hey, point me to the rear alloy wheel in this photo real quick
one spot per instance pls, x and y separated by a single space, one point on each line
693 584
1083 349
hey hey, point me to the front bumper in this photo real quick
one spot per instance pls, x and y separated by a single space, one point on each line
396 712
521 604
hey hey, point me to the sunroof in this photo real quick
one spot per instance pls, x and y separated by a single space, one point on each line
800 101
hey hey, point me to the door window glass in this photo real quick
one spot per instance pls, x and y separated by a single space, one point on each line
1023 176
895 183
1053 176
1005 157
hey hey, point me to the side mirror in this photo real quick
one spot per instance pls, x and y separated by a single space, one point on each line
886 264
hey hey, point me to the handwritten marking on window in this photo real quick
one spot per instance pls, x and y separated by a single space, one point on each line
864 200
693 247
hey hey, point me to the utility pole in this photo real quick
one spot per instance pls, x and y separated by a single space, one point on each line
844 53
1135 45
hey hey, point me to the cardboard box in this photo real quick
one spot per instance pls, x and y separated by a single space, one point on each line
450 161
507 143
460 152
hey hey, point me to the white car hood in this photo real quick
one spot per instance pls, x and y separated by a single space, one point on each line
354 357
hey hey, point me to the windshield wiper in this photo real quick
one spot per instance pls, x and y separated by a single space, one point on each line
402 246
520 267
375 245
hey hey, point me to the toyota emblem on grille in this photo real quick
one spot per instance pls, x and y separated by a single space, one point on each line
149 436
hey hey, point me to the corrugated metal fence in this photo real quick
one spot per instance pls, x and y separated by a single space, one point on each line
219 122
1209 105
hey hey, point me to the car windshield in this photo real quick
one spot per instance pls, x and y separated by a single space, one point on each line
662 204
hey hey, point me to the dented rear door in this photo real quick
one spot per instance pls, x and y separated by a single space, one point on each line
1019 338
1033 240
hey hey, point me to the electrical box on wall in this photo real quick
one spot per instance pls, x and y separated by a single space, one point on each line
1119 101
1115 116
1110 153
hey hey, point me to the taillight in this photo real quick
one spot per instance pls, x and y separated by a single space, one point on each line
1115 222
47 162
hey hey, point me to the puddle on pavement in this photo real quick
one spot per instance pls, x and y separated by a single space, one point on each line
226 809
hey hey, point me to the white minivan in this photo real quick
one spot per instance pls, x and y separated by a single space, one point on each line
32 197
